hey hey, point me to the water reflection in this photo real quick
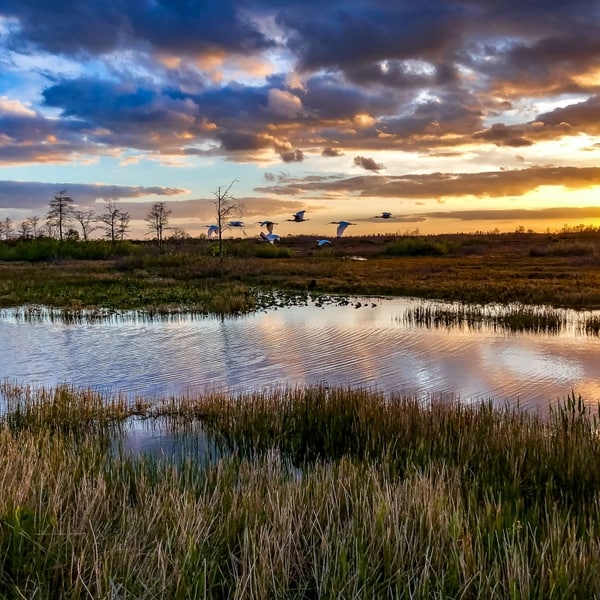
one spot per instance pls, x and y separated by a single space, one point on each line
158 439
371 343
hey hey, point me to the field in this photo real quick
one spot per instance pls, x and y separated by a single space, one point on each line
559 271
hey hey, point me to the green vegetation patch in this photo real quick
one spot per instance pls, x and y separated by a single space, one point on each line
316 493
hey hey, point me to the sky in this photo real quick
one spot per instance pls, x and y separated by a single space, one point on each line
453 115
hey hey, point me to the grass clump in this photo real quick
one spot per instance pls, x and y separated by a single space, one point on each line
414 246
317 493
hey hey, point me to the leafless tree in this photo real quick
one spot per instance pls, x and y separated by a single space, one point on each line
115 222
87 220
7 230
226 208
33 223
158 219
60 213
25 230
123 224
178 234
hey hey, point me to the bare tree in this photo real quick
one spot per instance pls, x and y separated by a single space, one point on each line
60 213
25 230
7 230
123 224
226 208
33 223
86 219
115 222
158 219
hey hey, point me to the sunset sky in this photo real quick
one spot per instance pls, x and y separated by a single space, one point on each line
454 115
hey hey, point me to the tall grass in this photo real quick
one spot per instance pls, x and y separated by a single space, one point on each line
513 317
415 246
43 248
322 493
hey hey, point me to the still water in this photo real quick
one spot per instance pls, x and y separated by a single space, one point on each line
368 343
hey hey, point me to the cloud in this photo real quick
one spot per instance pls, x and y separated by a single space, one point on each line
34 196
264 81
329 151
519 214
284 103
292 156
367 163
69 27
493 184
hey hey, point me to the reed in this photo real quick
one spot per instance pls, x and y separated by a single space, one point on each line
513 317
320 493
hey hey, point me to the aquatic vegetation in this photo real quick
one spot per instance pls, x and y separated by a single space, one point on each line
321 493
514 318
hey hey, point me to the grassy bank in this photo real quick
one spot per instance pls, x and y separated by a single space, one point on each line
527 268
318 494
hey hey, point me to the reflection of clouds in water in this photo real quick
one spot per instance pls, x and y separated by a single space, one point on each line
536 360
369 347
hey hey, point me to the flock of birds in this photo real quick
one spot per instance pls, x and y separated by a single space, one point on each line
271 237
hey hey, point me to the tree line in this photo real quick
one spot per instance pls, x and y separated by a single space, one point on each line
64 222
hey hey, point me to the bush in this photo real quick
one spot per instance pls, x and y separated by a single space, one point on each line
417 247
564 249
33 250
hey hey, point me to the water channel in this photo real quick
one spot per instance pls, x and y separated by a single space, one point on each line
369 342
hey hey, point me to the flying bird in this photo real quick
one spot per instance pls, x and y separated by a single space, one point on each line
270 237
212 230
298 217
322 243
341 226
384 215
236 223
268 225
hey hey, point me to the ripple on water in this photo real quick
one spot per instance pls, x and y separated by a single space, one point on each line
372 347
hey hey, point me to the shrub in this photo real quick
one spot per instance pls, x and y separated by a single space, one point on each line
43 248
417 247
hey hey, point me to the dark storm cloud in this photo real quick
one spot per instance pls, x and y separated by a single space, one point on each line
354 33
70 26
428 75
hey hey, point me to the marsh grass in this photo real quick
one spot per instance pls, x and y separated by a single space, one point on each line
321 493
478 269
514 318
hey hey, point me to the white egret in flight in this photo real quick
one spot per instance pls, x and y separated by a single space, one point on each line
268 225
269 237
341 226
236 223
212 230
298 217
322 243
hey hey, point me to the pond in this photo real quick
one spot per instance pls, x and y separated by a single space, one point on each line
376 343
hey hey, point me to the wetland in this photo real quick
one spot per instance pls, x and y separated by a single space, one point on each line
139 459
